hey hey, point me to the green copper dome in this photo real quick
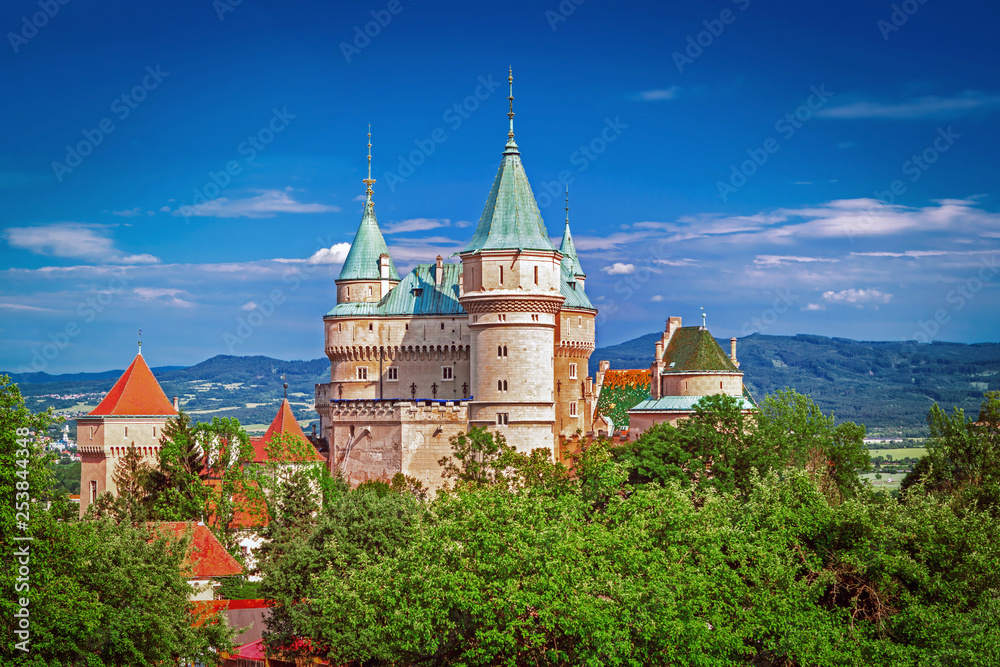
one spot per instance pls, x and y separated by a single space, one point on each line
511 219
368 246
568 250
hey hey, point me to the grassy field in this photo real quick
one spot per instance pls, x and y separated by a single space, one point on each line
887 483
912 452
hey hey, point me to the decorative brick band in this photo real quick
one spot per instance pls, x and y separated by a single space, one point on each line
485 302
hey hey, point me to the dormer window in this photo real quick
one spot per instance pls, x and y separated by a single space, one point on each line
418 291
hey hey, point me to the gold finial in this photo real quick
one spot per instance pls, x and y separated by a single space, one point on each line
368 181
510 98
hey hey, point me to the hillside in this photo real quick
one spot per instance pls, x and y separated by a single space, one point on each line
885 385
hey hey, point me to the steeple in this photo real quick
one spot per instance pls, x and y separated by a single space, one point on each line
570 259
511 219
363 260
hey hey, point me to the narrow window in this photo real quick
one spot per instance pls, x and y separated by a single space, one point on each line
505 385
572 371
505 350
340 326
501 276
572 409
154 431
93 490
407 326
442 326
369 290
371 326
720 384
499 351
502 419
126 431
499 385
447 373
362 372
580 323
91 432
536 275
393 374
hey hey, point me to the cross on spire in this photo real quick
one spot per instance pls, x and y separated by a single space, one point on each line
368 181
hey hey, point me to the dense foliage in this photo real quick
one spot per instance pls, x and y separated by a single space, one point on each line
94 592
750 543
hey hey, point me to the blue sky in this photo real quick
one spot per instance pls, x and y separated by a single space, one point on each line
823 167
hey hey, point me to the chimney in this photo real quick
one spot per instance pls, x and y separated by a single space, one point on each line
176 408
461 283
383 266
439 270
732 352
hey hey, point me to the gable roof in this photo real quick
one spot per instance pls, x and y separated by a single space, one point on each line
415 295
284 423
694 349
136 393
207 558
511 219
368 245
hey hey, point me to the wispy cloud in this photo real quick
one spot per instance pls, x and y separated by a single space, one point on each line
163 295
133 213
265 205
73 240
659 94
415 225
924 107
778 260
857 297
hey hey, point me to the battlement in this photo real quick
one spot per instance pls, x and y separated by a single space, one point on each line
396 409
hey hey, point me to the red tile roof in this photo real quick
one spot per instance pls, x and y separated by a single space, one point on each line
207 558
284 423
245 516
136 393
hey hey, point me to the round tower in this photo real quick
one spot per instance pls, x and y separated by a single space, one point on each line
511 277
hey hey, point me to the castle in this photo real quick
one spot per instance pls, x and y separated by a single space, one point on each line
501 339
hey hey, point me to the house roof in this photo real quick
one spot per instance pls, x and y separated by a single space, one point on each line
284 423
245 515
136 393
694 349
511 219
415 295
207 558
362 261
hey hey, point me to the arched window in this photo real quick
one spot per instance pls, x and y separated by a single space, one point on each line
505 385
505 350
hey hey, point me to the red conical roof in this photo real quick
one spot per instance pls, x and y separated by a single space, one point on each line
136 393
284 422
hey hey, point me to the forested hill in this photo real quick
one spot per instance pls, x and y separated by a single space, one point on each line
880 384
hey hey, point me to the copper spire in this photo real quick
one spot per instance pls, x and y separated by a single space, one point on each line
510 98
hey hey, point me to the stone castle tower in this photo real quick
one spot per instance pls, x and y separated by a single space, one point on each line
502 340
132 414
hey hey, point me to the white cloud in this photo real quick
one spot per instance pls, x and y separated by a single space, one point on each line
249 305
415 225
619 269
924 107
779 260
73 240
134 212
813 306
265 205
360 198
657 297
857 297
659 94
163 295
335 254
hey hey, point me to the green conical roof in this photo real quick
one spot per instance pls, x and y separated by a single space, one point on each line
511 219
568 250
368 246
